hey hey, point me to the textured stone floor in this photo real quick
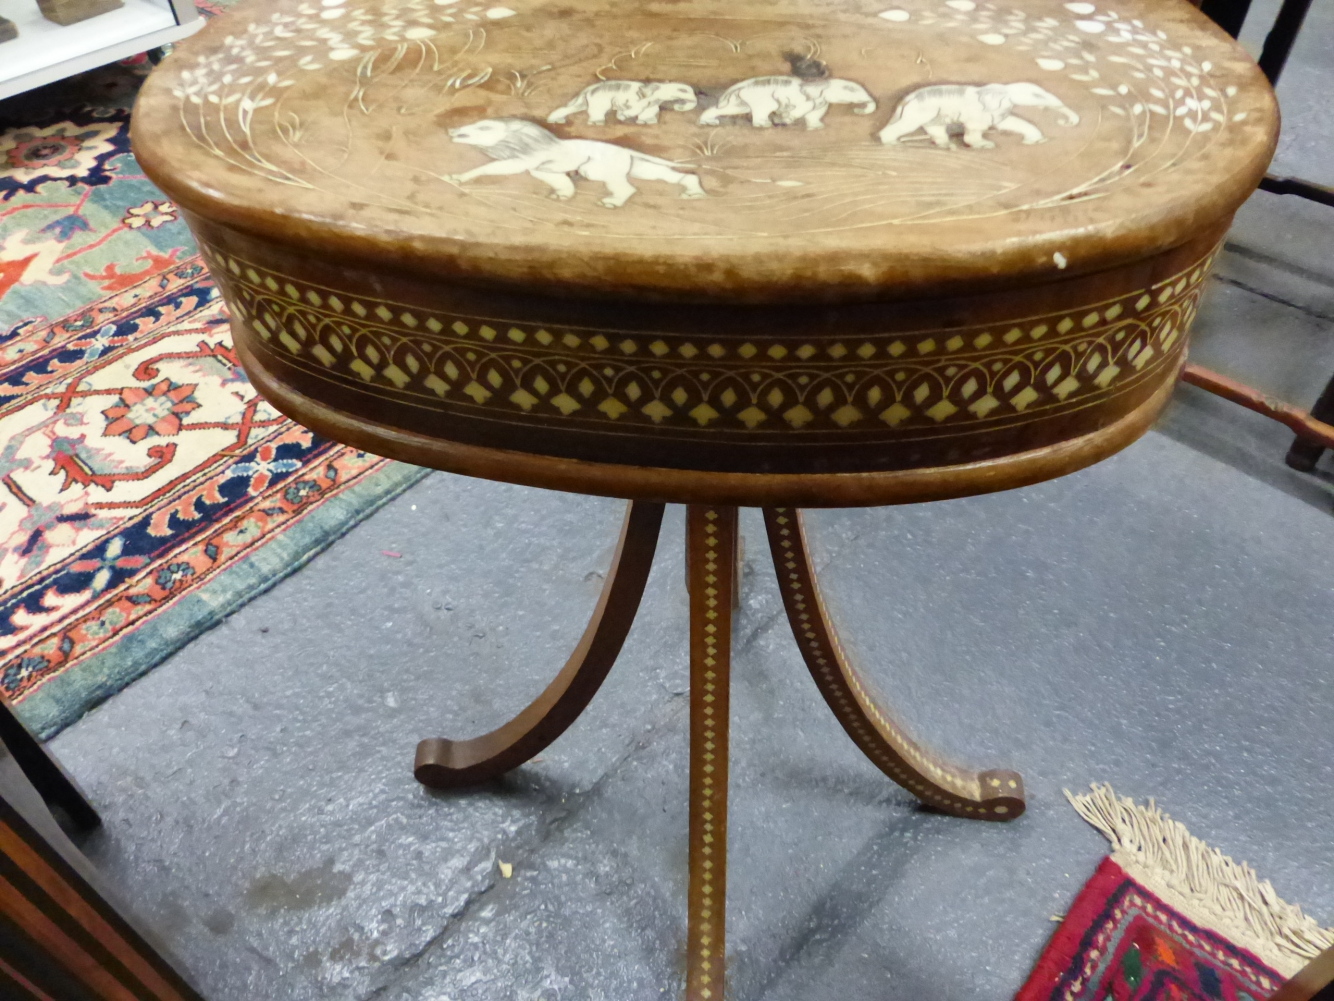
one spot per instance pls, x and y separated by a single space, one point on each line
1161 621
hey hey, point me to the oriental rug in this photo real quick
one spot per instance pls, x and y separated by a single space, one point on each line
1167 918
145 490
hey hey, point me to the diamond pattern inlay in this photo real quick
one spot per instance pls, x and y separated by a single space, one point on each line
947 380
710 601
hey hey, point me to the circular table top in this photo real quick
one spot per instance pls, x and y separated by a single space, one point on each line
757 150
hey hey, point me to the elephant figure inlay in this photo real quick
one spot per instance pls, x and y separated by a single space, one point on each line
977 109
782 100
631 100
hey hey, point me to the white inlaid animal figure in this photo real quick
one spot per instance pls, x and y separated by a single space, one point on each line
934 109
516 146
632 101
783 100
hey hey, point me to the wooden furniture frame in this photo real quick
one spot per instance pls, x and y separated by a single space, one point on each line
994 794
763 325
711 559
1315 982
63 935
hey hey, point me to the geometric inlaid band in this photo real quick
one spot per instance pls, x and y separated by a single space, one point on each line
935 382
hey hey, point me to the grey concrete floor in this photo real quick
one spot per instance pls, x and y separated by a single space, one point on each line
1161 621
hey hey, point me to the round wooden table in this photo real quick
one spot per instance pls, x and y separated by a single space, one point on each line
782 253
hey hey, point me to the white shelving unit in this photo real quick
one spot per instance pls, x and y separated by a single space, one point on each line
45 51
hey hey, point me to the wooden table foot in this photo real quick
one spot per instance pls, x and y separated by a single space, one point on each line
711 542
988 795
444 764
712 565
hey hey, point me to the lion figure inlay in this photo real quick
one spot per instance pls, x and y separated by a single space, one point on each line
517 146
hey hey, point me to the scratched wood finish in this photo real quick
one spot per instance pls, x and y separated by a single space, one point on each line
805 157
784 249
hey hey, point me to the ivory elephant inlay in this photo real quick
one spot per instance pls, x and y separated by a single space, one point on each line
978 109
631 100
782 100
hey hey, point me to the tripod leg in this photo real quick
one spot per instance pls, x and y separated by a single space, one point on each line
989 795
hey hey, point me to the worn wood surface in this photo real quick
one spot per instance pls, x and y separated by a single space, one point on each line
1312 428
784 253
761 242
790 117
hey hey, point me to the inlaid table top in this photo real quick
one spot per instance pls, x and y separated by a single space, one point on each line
789 148
782 238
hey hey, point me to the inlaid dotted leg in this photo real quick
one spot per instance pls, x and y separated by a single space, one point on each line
711 542
740 567
444 764
989 795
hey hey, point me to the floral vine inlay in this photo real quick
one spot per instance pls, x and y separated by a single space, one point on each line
495 118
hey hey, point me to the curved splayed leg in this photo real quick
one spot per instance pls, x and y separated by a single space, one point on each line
444 764
989 795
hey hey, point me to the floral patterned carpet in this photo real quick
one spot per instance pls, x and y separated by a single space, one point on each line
145 489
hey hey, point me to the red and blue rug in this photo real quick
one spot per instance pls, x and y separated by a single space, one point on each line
146 491
1168 918
1120 942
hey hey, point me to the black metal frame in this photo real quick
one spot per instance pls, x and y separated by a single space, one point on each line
1273 57
1230 15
